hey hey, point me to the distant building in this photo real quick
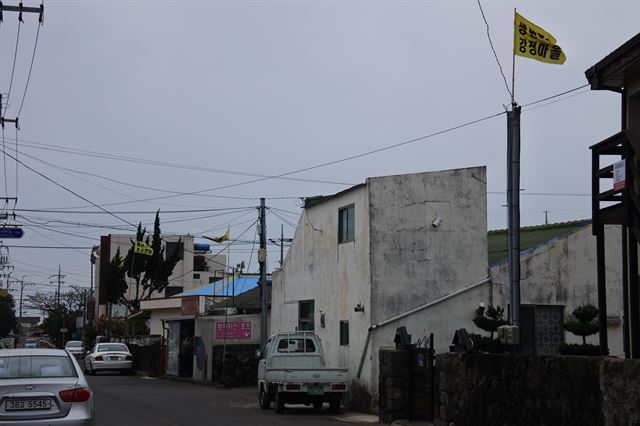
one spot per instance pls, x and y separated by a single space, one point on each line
27 325
197 266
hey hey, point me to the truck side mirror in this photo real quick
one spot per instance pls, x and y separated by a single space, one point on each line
258 353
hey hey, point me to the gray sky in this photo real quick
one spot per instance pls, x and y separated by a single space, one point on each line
269 87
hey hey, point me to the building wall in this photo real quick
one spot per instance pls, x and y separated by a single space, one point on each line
564 273
335 276
397 262
205 329
414 263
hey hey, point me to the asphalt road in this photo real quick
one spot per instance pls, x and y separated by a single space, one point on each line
140 401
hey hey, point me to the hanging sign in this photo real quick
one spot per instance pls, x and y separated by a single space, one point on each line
12 232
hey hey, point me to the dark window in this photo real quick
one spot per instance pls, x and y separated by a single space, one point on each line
199 263
196 276
172 291
305 315
212 280
172 247
346 223
344 333
296 345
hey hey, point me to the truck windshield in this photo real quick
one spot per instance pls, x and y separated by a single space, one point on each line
296 345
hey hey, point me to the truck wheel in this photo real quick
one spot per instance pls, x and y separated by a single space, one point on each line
334 405
279 402
317 405
265 403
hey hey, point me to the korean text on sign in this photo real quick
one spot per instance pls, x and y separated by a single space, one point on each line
531 41
233 330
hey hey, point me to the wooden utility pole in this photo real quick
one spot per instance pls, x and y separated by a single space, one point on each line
262 260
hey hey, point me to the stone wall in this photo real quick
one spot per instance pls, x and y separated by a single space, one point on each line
475 388
393 384
620 387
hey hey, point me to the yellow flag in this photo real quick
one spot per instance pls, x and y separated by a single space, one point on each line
531 41
225 237
143 249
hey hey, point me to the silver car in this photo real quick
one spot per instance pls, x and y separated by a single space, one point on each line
75 348
43 387
108 357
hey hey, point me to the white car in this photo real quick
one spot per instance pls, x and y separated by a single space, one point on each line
108 357
43 387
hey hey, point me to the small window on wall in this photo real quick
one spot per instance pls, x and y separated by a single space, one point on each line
344 333
305 315
196 276
346 224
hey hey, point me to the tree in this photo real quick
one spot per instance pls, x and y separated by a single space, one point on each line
7 314
150 274
116 282
584 326
489 319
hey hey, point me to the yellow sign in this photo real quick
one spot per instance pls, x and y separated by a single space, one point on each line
531 41
142 248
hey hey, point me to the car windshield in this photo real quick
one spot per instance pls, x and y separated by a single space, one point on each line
31 341
113 347
28 366
296 345
74 344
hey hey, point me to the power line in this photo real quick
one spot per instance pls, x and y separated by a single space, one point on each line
555 96
495 55
15 56
33 56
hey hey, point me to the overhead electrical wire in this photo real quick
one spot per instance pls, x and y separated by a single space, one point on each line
33 56
495 55
68 190
13 69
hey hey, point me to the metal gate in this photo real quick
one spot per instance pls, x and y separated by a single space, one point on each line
421 375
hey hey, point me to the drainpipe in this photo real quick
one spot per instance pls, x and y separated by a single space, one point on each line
411 312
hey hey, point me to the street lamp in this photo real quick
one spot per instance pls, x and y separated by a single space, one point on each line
95 252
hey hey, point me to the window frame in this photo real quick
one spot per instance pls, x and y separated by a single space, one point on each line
346 227
344 332
310 319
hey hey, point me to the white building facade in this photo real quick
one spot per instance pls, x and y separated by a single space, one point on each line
379 250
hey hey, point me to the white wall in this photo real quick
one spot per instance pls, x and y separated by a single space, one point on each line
564 272
398 261
335 275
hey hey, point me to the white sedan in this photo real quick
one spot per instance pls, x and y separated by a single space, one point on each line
108 357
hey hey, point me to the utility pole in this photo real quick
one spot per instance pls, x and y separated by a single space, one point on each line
262 260
513 202
546 220
280 242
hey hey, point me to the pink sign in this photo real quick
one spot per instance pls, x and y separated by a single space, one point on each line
233 330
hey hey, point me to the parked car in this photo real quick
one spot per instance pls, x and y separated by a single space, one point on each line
75 348
108 357
3 345
292 370
44 387
31 343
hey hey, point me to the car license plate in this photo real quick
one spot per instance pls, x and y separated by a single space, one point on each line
113 358
28 404
315 390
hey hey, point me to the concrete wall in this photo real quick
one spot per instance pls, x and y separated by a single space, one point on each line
397 261
414 263
564 273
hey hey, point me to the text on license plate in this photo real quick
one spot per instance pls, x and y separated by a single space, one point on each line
315 390
113 358
29 404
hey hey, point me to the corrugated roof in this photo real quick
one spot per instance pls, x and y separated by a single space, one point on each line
235 288
530 237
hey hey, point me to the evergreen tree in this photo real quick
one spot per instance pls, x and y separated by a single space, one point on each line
7 314
585 325
489 319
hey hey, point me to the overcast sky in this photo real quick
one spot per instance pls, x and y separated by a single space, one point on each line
271 87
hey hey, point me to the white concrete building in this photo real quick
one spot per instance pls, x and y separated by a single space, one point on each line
557 276
197 266
379 250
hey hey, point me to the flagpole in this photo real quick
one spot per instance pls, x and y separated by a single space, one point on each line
513 62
